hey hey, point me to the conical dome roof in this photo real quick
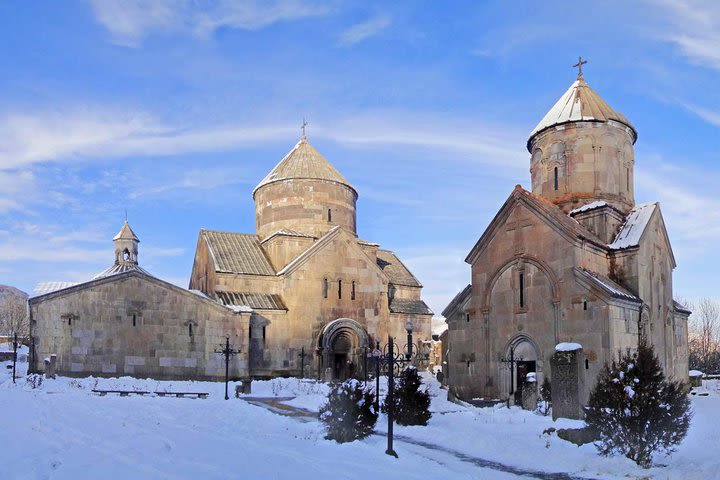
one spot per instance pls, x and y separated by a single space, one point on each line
580 103
126 233
303 162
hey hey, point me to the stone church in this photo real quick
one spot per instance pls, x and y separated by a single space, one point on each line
302 293
573 260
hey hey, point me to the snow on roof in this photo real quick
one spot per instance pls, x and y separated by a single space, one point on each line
633 228
589 206
240 308
567 347
695 373
47 287
578 103
613 288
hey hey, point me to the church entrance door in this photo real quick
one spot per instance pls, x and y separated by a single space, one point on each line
342 343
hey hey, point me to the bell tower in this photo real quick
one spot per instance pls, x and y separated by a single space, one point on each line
126 246
582 151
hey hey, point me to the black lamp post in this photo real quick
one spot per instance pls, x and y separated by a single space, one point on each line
15 345
409 328
227 352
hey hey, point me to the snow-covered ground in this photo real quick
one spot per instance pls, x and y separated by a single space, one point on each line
61 430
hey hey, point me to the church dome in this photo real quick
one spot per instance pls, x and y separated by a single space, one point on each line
304 193
303 162
580 103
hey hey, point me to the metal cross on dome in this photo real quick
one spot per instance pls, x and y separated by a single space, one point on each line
579 65
302 127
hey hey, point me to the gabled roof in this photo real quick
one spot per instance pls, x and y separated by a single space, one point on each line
260 301
680 308
608 286
458 300
580 103
395 269
286 232
237 253
545 209
634 226
303 162
126 233
403 305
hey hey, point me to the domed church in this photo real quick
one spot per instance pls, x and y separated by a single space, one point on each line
575 261
313 285
302 295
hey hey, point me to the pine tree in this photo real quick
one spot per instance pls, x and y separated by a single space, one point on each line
349 413
412 404
635 410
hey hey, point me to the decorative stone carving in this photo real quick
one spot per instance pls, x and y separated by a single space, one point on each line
567 382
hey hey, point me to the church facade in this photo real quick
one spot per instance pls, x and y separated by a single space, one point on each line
303 295
572 260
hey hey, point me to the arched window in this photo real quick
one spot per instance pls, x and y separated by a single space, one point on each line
126 255
340 289
325 287
555 178
352 292
329 215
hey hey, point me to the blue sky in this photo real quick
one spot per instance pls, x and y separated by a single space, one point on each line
175 110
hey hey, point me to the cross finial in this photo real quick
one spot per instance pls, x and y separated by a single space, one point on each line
302 127
126 215
579 65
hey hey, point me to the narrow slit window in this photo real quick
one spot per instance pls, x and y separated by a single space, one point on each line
69 320
522 289
587 364
250 332
190 332
584 304
134 320
263 336
467 317
352 291
556 178
325 288
340 289
627 179
329 215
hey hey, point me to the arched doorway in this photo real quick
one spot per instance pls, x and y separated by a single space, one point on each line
342 343
521 357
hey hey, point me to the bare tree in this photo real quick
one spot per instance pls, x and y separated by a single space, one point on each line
14 316
704 327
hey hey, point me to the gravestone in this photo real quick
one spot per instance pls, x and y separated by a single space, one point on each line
566 382
529 392
50 364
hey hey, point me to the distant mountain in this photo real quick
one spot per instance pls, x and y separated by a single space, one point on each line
8 291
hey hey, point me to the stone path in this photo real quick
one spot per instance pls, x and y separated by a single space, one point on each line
275 405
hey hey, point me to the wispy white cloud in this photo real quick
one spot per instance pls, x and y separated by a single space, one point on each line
710 116
130 21
362 31
694 27
440 269
106 133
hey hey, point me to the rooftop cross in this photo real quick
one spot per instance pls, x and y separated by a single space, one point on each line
302 127
579 65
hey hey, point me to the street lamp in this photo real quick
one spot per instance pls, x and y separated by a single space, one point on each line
409 325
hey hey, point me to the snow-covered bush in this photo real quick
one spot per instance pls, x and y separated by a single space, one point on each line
545 401
349 413
411 402
635 410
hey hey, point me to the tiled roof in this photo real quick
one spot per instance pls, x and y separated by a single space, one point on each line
288 233
457 300
259 301
237 253
401 305
303 161
609 286
580 103
394 268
